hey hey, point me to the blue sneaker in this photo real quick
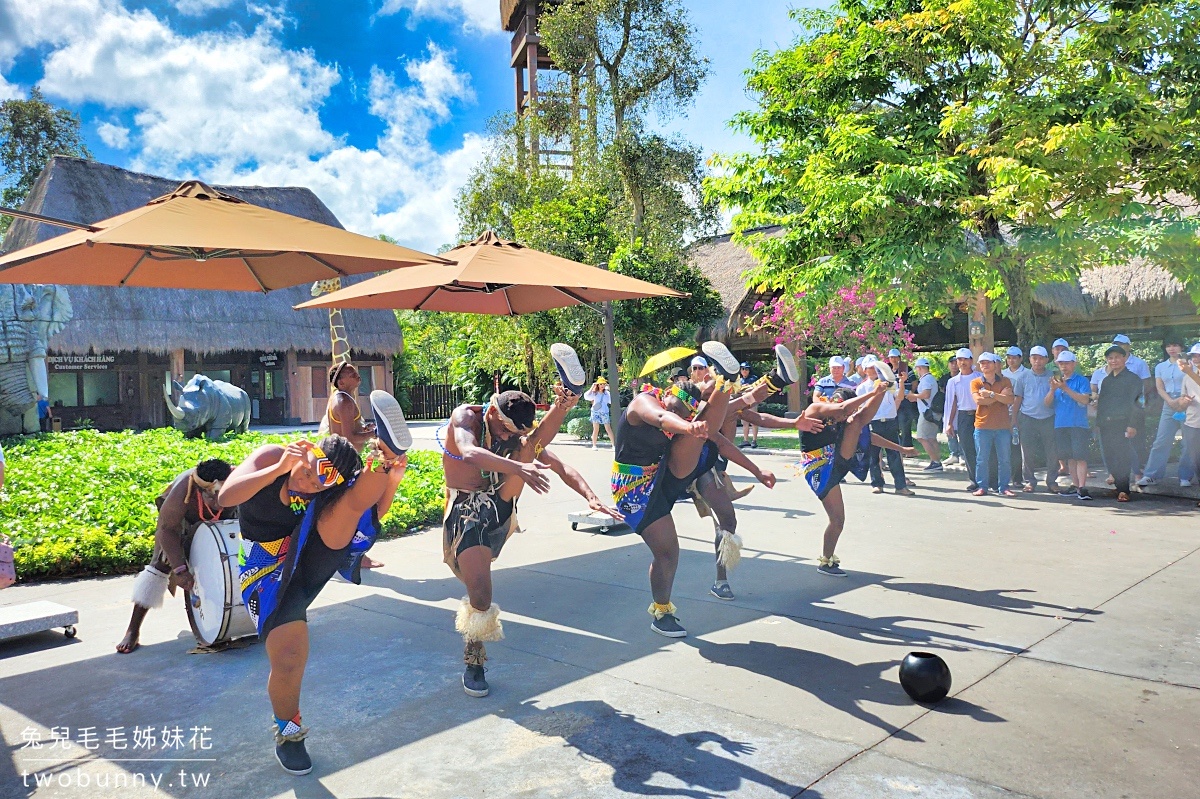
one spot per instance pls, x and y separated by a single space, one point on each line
570 370
390 427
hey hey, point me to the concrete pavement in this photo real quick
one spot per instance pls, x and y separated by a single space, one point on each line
1072 632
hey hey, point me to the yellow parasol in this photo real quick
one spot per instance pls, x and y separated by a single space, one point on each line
665 358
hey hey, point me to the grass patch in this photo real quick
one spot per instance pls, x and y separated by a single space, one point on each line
82 503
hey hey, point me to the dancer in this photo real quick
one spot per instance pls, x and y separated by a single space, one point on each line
841 447
668 439
490 453
190 499
307 510
343 417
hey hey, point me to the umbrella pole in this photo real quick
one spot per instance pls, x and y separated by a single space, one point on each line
614 380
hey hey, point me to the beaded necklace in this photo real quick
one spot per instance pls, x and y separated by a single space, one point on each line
298 501
202 508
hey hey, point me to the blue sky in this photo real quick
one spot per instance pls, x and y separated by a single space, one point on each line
380 106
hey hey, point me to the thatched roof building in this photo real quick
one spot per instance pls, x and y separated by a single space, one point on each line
163 320
111 361
1133 298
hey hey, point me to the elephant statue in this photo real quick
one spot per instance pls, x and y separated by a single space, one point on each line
29 316
209 407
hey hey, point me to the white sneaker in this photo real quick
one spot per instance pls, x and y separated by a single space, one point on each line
951 461
1185 483
1146 481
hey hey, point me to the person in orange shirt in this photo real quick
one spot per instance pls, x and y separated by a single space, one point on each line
993 393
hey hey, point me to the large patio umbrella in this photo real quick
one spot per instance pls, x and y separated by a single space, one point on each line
492 276
200 238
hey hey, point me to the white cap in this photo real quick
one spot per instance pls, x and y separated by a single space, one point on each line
1195 350
922 361
1014 351
1060 342
989 356
1039 350
836 360
698 361
964 353
869 360
1121 338
859 361
1067 356
894 353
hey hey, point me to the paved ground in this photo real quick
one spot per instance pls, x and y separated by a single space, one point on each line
1072 632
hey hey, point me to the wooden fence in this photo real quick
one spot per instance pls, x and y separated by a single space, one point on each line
432 401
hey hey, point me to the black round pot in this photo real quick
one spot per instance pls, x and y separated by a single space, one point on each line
925 677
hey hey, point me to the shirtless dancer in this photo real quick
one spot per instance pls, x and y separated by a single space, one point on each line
667 439
182 506
490 453
841 448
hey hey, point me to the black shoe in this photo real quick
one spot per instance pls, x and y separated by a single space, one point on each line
293 757
570 370
390 427
721 358
669 626
473 682
744 444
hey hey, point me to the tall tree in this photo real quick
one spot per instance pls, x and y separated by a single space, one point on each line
31 131
643 57
935 147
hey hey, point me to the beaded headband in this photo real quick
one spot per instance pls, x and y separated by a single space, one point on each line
689 402
327 473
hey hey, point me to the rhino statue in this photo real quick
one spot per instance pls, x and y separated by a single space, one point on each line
29 316
209 407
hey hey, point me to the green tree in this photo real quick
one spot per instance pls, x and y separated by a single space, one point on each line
935 147
31 131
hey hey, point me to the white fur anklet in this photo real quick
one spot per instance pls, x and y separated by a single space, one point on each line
478 625
729 552
149 588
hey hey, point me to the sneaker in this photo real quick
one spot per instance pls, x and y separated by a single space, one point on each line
876 490
744 444
1086 497
669 626
1185 483
390 426
293 757
831 569
1069 493
570 370
933 467
473 682
753 445
951 461
1146 481
785 365
972 486
720 591
721 358
885 372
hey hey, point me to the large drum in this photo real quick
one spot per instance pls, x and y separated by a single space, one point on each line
214 606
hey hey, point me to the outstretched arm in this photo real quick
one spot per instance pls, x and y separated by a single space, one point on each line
735 455
887 443
769 422
574 480
657 416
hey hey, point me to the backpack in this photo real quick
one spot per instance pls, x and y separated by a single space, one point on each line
937 405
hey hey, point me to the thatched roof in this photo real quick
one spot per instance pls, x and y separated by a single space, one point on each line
162 320
723 262
1137 282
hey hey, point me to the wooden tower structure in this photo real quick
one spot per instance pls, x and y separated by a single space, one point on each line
559 105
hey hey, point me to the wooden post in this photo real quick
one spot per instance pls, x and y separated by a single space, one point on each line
177 365
295 401
980 328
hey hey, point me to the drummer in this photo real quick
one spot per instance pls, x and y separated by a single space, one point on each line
306 511
190 499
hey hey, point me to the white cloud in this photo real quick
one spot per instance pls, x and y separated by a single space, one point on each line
478 16
236 107
197 7
115 136
9 91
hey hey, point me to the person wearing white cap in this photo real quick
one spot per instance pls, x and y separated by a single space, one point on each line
1119 418
951 438
1035 420
930 419
1190 367
858 375
1141 370
1168 381
830 383
883 425
906 412
1014 360
960 411
1070 396
993 397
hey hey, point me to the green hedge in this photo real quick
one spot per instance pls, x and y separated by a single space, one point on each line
82 503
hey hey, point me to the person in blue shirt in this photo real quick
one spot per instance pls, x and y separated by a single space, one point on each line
43 409
1070 395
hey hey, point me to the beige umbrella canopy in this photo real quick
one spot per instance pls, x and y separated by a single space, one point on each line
200 238
492 276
